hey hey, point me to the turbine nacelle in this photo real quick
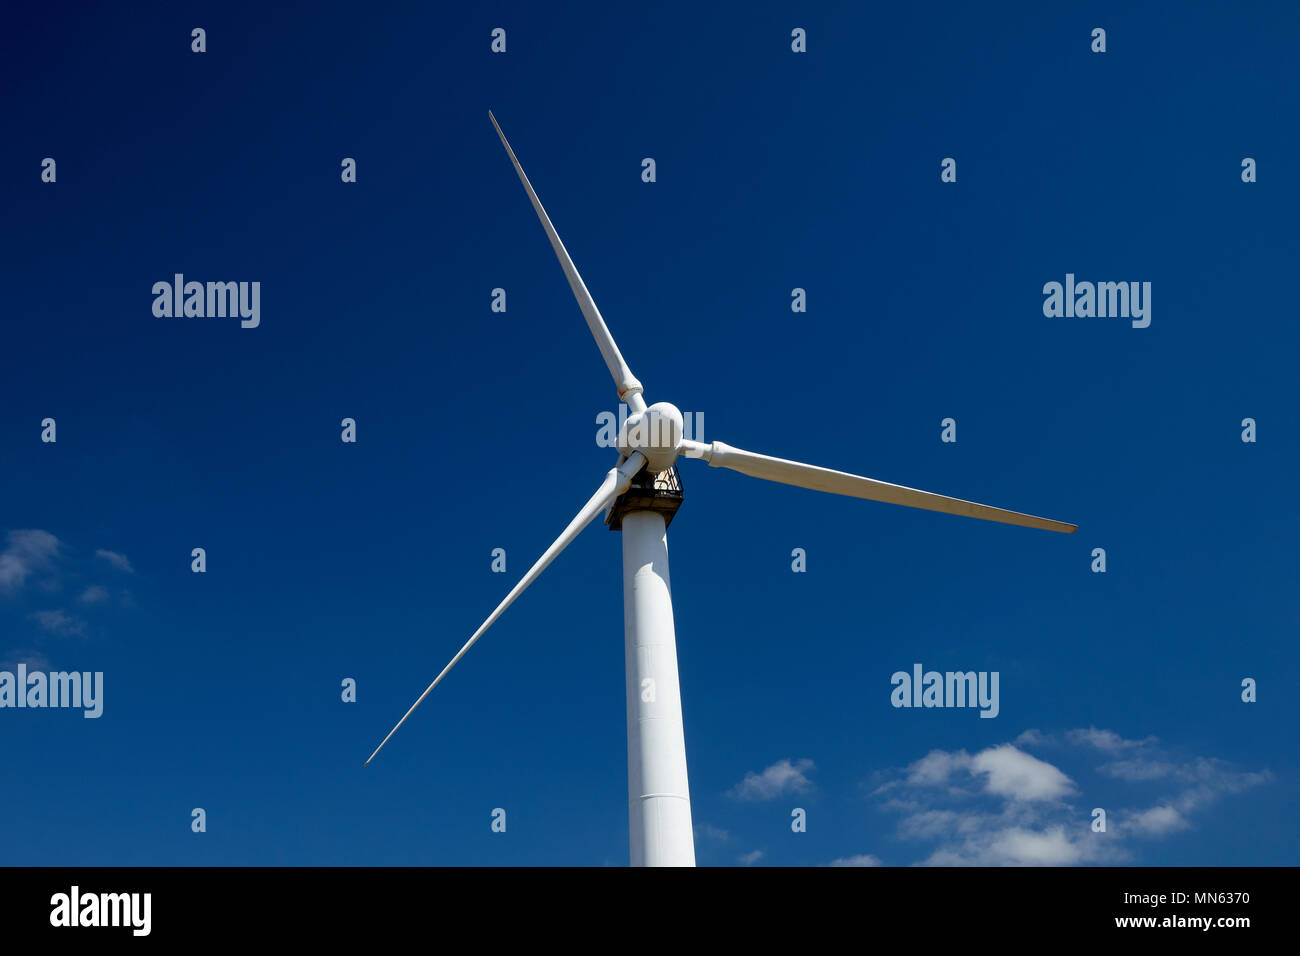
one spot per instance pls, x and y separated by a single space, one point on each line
655 433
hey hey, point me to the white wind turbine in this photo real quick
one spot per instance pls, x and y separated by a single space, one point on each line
649 445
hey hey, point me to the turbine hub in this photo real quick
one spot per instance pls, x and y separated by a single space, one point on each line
655 433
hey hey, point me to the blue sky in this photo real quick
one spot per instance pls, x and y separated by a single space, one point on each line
476 430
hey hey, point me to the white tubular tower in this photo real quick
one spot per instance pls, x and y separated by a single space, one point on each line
659 803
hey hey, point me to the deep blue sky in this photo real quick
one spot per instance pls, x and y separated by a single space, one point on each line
476 429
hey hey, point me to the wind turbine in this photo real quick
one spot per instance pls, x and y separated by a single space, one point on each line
642 492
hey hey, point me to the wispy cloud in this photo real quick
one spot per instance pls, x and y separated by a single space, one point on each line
862 859
782 778
1196 784
26 552
35 660
707 831
937 767
749 859
117 560
1032 738
95 594
60 623
1106 740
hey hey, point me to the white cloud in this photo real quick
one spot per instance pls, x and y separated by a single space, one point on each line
1017 846
57 622
1155 822
749 859
862 859
27 551
1004 807
783 777
1005 771
945 798
1015 774
118 561
1045 848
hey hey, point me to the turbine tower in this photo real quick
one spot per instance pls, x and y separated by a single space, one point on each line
641 494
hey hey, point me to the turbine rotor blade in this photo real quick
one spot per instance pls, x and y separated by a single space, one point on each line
616 482
721 455
629 389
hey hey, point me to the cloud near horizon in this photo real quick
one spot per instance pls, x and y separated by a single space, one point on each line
1005 807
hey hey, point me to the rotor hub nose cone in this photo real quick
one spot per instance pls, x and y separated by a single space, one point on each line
655 433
